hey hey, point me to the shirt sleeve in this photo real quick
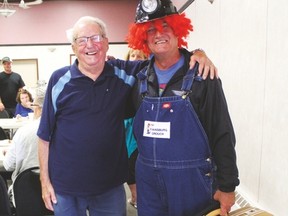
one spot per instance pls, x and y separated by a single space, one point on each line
9 161
131 67
21 82
213 112
17 111
47 120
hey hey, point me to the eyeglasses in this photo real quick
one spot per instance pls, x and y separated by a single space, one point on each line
82 41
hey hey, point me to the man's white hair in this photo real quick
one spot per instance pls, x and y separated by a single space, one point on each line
40 92
72 33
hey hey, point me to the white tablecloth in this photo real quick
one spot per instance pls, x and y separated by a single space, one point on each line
12 123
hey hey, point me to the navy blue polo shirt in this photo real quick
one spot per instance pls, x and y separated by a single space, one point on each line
83 121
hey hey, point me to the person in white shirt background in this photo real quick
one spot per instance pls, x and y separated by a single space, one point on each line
23 151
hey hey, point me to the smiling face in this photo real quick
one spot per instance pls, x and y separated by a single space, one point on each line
25 99
179 23
161 39
92 52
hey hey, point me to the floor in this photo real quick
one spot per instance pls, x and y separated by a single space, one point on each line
131 211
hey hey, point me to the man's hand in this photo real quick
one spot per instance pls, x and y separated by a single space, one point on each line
206 67
226 200
108 57
48 195
2 107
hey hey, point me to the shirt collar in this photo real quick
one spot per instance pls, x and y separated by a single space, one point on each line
108 70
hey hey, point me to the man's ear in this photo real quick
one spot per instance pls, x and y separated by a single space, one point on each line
107 44
73 48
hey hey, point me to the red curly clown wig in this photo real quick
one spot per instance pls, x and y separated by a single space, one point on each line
137 34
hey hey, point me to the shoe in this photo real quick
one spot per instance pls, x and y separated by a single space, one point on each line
132 203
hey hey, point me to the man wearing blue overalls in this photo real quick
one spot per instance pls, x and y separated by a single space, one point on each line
185 137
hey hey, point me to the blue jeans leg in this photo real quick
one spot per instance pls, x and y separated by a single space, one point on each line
111 203
69 205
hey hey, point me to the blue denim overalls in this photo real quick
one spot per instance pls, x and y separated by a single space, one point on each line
174 166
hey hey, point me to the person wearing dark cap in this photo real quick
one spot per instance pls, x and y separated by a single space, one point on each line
186 141
10 84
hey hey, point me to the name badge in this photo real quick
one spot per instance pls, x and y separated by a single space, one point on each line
157 129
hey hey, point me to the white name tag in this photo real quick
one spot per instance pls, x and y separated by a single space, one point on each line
157 129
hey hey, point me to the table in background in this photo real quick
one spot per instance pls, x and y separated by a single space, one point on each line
12 124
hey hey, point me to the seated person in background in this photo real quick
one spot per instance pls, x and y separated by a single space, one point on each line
132 55
24 100
23 152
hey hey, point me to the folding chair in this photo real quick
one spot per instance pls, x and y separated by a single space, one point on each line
4 114
27 194
3 134
5 207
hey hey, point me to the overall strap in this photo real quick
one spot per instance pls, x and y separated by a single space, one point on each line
142 77
186 84
189 78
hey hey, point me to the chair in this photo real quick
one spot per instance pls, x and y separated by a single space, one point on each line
4 114
5 208
3 134
27 194
7 174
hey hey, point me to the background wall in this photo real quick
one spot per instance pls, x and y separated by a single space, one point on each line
247 40
47 23
52 57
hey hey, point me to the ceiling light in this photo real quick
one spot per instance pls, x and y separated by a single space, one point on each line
6 10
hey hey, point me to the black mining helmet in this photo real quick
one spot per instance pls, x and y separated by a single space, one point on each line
148 10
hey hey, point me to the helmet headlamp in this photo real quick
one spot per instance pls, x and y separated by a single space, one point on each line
150 6
148 10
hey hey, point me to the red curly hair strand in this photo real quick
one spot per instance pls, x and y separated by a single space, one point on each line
137 34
